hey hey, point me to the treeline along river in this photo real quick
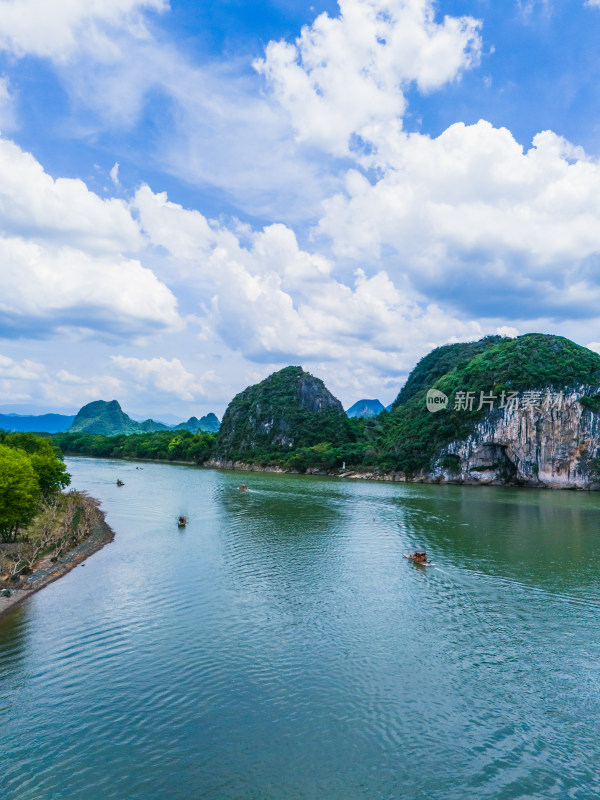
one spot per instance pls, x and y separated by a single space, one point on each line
281 648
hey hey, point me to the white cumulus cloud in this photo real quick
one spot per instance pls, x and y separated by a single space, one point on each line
43 289
169 376
33 380
185 234
62 253
58 29
64 210
472 202
20 370
345 74
273 301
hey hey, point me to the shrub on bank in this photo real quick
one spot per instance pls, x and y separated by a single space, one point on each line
63 522
31 471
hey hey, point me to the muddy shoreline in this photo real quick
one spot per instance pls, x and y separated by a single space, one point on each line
47 572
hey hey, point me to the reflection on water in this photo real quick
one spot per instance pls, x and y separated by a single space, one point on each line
13 644
280 646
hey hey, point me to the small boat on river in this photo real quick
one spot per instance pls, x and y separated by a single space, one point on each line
182 522
418 557
120 482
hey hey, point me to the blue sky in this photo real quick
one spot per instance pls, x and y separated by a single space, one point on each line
194 195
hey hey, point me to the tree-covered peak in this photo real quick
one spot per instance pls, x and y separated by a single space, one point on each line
291 408
533 361
440 362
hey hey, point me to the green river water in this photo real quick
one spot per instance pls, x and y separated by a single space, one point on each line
281 648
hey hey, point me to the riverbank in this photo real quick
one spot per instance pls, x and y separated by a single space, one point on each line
474 478
367 475
47 570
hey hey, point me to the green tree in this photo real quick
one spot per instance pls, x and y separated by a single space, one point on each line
51 472
175 448
19 492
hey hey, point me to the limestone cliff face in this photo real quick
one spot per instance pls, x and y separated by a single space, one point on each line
313 396
551 445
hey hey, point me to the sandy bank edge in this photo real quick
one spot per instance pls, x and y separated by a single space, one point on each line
101 535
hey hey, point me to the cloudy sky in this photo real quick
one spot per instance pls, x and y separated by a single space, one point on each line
195 194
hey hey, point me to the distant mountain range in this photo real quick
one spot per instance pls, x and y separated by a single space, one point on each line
100 417
43 423
521 411
209 423
108 419
365 408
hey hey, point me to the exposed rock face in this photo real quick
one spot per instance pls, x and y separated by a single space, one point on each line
547 446
290 408
313 396
495 416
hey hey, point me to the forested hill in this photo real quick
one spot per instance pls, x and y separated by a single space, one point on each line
209 423
290 409
290 420
108 419
412 436
440 362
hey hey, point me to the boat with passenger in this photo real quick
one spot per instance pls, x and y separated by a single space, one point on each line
418 557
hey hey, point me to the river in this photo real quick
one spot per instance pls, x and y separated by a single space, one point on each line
281 648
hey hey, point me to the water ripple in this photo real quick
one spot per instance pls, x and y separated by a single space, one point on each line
281 647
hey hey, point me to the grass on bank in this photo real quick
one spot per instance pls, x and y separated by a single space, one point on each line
63 522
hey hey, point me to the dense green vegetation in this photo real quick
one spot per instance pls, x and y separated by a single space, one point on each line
438 363
292 421
168 445
200 448
109 419
409 437
281 419
591 403
32 472
412 435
